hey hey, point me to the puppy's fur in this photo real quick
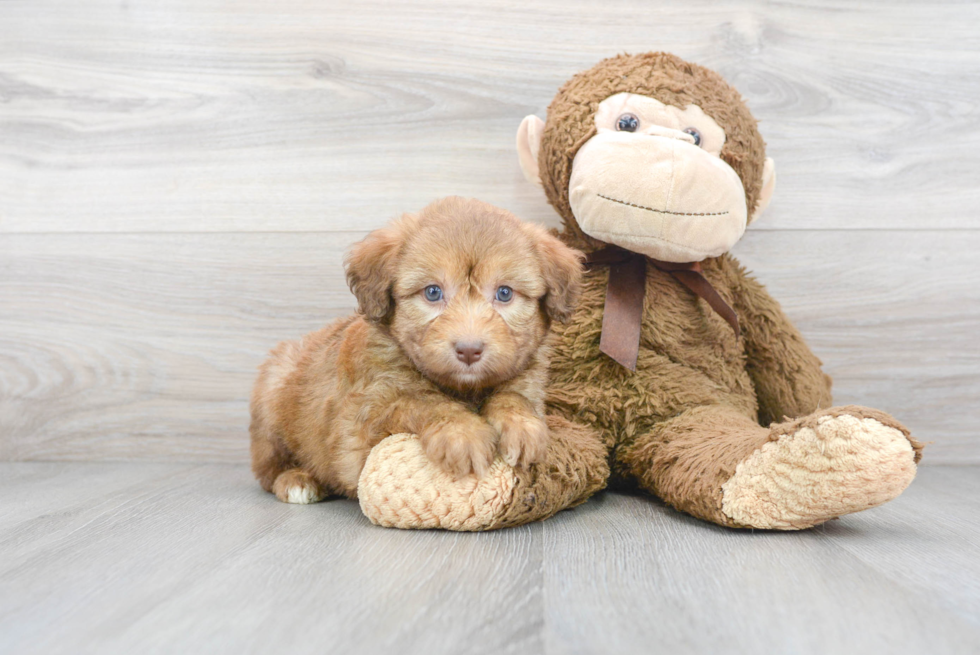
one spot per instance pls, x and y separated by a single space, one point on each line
320 405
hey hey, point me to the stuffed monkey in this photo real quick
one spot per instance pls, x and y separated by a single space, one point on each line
678 374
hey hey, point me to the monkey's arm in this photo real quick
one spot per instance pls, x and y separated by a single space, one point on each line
787 375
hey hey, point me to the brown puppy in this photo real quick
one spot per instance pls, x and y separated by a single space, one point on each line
450 342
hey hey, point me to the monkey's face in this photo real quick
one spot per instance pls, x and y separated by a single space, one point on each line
651 180
652 154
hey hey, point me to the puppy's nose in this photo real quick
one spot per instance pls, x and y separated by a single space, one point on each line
469 351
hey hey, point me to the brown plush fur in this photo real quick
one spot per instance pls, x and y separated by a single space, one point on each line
693 378
574 468
700 398
320 405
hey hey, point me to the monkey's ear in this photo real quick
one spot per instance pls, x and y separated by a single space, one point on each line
561 268
371 266
528 143
768 186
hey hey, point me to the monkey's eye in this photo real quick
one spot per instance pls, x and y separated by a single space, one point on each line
433 293
627 123
693 131
505 294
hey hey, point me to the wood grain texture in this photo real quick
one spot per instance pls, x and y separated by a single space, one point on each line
146 346
636 576
163 558
178 181
198 559
321 116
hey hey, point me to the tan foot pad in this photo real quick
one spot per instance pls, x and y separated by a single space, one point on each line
400 488
826 465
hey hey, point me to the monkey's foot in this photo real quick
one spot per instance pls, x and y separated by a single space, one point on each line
400 488
833 462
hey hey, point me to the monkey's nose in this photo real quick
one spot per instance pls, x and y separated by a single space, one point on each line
469 352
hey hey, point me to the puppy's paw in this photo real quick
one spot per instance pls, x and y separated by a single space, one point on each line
298 487
523 438
461 445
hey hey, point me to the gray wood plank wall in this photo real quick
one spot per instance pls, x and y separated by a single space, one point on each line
178 182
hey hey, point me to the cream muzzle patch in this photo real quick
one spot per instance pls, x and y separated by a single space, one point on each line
652 190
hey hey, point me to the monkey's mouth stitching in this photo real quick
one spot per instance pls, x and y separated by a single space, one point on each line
660 211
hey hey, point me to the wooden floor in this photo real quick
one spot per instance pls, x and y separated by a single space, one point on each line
147 558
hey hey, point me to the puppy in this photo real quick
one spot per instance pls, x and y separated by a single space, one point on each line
450 342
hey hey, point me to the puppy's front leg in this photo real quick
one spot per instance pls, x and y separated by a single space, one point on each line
453 436
523 432
460 445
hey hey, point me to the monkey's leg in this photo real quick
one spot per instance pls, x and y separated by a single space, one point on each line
719 465
400 488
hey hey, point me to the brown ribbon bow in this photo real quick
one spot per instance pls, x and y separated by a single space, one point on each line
623 312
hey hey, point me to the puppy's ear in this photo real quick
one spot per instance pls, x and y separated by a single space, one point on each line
561 268
371 266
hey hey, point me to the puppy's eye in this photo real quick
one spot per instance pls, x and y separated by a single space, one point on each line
627 123
693 131
433 293
504 294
